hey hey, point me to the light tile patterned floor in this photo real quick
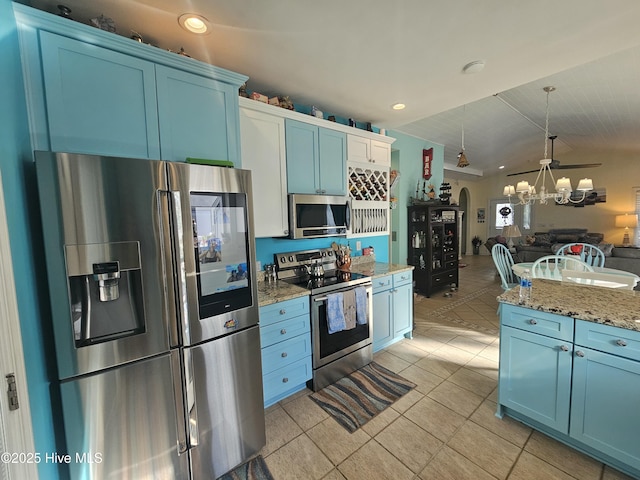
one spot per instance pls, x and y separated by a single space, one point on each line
443 429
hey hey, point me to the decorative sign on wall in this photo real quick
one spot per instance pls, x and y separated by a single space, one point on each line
481 215
427 158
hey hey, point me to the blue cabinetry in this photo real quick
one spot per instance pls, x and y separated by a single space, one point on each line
97 100
90 91
606 391
285 337
392 308
576 381
316 159
199 116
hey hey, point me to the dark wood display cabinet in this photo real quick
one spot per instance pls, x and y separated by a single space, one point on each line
433 247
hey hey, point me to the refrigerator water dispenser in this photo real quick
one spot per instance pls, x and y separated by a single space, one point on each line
105 288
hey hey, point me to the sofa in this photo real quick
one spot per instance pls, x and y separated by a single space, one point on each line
548 243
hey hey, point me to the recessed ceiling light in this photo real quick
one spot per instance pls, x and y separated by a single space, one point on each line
500 167
194 23
473 67
398 106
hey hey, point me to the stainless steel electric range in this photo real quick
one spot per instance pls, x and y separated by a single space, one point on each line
337 354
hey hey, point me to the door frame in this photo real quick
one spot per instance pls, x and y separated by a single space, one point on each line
14 425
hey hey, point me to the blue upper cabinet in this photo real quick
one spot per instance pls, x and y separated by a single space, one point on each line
98 101
316 159
198 116
90 91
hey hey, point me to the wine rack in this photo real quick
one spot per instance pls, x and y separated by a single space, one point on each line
368 183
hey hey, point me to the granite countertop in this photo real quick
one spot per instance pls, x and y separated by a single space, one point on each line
269 293
609 306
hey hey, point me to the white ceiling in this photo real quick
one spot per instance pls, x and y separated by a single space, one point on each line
356 58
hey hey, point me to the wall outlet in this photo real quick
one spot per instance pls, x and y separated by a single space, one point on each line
258 266
358 246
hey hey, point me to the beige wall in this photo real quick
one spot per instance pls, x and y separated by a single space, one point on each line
619 174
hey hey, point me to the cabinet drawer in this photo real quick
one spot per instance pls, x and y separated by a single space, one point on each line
606 338
281 380
548 324
382 283
448 257
282 354
444 278
284 310
281 331
402 278
451 265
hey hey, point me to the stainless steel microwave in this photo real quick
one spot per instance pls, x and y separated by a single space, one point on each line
314 216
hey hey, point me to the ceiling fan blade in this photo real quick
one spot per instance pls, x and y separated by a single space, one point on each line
522 173
579 165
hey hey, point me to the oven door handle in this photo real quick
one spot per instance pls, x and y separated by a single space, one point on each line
325 298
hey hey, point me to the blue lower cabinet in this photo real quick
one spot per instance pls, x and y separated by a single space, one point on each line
578 382
392 308
285 335
535 376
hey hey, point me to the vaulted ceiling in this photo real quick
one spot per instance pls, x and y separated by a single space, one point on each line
357 58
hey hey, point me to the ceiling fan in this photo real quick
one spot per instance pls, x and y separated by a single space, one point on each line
555 164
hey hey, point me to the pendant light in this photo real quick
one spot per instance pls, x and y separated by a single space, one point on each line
462 158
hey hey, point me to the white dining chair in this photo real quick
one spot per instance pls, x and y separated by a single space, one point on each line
599 279
504 261
552 266
589 254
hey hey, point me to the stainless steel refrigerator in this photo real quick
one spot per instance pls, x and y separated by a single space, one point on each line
154 306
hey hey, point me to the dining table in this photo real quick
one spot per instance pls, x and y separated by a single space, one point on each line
519 268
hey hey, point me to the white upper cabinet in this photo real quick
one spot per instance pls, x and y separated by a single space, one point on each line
365 150
263 152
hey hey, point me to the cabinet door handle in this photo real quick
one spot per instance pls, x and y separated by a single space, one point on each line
283 311
283 354
564 348
285 380
621 343
283 331
580 353
533 321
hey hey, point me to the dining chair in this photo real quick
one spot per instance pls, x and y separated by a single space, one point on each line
589 254
504 261
599 279
551 266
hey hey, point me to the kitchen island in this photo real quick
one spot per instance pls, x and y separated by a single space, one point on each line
570 368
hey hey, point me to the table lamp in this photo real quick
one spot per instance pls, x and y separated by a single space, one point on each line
509 232
626 221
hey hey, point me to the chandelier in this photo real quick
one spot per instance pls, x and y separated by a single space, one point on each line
528 194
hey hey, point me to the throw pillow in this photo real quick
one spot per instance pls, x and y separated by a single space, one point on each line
543 240
607 248
530 240
593 238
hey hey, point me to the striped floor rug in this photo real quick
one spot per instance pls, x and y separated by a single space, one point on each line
254 469
355 399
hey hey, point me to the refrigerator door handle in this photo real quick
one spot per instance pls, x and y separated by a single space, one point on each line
176 375
190 395
179 250
172 248
166 250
